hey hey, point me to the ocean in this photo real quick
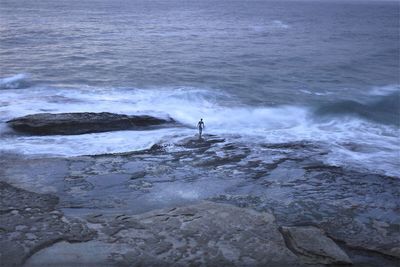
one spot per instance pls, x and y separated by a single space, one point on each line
257 72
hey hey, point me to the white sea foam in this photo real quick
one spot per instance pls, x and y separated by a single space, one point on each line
223 116
14 82
280 24
384 90
308 92
86 144
269 26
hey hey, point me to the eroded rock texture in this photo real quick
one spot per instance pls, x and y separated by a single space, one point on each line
34 233
204 234
30 222
352 206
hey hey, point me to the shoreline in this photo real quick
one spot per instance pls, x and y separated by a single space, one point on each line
288 182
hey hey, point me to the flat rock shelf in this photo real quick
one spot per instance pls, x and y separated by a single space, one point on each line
197 202
205 233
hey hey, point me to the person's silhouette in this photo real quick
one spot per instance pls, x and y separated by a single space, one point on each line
201 126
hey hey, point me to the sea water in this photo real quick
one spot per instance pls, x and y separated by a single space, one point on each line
255 71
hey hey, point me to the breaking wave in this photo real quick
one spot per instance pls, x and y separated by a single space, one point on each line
358 133
280 24
382 109
15 82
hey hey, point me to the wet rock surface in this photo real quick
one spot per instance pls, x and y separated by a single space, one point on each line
354 207
84 122
30 222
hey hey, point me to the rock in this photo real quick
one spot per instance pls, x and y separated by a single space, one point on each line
27 231
359 208
84 122
395 252
156 147
313 246
137 175
15 199
200 143
204 234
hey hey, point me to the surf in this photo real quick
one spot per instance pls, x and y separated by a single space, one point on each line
17 81
350 135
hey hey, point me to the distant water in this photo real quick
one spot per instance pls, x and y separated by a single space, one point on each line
256 71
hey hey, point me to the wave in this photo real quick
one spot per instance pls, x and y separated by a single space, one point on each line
18 81
308 92
269 26
224 115
279 24
224 112
382 109
384 90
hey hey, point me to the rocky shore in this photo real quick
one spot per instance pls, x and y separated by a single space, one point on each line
35 233
199 202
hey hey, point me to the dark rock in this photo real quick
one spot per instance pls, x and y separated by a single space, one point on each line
204 142
137 175
291 145
313 246
156 147
13 198
84 122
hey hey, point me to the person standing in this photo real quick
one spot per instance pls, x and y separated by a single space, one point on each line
201 126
